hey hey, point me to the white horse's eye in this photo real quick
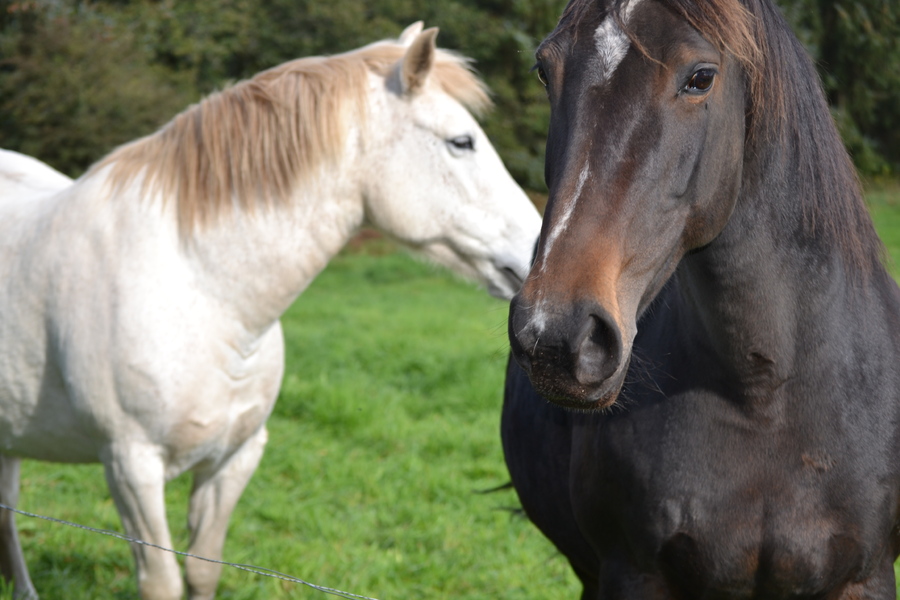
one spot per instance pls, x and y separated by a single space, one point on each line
462 142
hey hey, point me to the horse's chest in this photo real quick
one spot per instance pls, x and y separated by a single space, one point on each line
727 517
750 547
226 407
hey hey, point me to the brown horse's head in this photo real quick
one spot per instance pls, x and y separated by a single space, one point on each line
644 163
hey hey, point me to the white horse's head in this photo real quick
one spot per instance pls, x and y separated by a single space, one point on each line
388 122
436 183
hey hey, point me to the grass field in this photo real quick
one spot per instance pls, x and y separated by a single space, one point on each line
386 429
884 204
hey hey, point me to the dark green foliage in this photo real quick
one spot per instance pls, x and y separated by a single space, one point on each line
75 83
856 45
78 78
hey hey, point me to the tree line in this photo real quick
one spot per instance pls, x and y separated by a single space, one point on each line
79 77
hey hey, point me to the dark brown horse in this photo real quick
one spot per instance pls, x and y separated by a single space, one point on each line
708 296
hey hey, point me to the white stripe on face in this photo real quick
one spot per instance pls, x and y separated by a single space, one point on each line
568 209
612 45
539 317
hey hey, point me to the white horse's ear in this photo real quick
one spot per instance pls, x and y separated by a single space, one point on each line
410 33
418 61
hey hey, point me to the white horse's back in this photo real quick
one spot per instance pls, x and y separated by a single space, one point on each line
23 177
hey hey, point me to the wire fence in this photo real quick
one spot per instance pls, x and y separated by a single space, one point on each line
249 568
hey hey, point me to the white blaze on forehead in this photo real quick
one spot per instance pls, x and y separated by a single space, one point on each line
611 42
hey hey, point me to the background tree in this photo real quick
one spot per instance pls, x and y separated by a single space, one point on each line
74 84
78 78
856 45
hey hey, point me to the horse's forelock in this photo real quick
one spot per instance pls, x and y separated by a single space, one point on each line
457 79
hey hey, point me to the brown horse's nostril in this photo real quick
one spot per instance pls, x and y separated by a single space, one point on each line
598 350
572 357
520 335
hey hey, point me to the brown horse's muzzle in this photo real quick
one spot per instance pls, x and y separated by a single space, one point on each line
574 354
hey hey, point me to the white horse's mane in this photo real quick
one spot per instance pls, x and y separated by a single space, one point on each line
251 143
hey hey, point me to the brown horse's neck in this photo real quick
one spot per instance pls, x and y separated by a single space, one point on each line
758 297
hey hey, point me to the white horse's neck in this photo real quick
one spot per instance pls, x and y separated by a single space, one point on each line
256 265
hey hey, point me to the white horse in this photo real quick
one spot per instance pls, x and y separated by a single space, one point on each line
140 304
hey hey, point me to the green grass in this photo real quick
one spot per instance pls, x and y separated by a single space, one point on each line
884 204
387 426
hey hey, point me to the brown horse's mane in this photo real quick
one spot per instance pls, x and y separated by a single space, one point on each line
251 143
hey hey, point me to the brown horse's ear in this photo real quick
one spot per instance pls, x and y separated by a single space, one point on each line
410 33
418 61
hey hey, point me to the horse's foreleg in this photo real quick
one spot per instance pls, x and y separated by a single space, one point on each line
135 475
12 561
213 499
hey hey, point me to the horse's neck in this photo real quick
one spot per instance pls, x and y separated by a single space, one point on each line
770 306
794 278
258 264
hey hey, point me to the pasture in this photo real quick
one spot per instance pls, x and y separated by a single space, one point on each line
385 429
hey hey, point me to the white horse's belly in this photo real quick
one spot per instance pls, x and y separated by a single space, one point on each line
198 424
44 427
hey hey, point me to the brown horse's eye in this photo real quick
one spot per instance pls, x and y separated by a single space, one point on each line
701 81
542 75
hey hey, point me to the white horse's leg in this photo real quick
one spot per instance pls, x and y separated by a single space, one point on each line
215 494
136 478
12 561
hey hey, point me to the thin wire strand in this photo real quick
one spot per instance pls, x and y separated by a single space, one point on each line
249 568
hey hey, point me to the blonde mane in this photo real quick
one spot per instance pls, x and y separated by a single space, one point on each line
252 143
